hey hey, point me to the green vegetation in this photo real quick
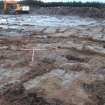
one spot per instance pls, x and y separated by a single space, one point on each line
64 4
1 4
33 3
76 4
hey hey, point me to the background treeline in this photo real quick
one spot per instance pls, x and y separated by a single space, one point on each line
1 4
58 4
64 4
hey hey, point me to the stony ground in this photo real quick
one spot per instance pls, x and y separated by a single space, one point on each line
68 66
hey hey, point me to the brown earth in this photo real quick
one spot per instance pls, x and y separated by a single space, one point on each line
81 11
68 67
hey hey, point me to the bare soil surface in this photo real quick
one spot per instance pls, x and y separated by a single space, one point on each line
80 11
53 65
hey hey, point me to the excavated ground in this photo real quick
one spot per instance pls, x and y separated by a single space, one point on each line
68 66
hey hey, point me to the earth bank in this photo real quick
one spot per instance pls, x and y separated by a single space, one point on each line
80 11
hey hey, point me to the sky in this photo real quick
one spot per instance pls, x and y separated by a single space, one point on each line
75 0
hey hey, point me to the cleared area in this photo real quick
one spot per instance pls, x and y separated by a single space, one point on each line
52 60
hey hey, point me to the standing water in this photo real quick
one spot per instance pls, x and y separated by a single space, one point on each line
41 20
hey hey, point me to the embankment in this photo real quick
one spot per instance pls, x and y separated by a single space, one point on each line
81 11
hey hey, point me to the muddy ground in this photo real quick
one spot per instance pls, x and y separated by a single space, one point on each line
66 67
80 11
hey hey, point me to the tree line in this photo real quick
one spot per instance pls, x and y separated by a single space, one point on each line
58 4
64 4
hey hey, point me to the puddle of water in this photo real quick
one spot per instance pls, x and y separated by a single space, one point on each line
41 20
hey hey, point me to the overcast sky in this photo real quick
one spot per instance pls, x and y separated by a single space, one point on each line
75 0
